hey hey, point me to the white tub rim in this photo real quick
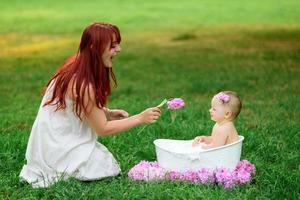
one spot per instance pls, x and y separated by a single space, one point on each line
241 138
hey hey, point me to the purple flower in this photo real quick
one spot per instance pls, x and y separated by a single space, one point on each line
229 184
242 176
191 176
151 171
136 173
206 175
154 174
246 165
175 104
225 177
175 175
147 171
225 98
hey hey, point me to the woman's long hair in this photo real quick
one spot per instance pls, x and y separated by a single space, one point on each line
86 70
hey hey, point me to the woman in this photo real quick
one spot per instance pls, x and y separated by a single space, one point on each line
63 140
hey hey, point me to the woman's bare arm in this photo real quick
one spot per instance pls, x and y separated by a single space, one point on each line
99 123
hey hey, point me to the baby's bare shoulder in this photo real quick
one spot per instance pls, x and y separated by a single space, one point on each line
225 129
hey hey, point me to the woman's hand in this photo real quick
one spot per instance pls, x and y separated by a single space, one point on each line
149 115
117 114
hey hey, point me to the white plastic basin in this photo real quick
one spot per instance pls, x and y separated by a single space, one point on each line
181 156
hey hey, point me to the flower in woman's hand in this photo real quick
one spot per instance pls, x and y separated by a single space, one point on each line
172 104
175 103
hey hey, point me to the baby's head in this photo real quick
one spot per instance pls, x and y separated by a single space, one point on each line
225 105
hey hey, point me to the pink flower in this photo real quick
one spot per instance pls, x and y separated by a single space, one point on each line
136 173
175 103
151 171
206 175
191 176
229 184
225 98
242 176
246 165
225 177
175 175
147 171
154 174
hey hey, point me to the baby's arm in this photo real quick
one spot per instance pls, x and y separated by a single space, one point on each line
97 120
218 138
201 140
207 139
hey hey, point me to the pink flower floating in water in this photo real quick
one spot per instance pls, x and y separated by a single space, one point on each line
175 103
151 171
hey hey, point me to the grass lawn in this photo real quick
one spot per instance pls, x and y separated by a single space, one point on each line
192 50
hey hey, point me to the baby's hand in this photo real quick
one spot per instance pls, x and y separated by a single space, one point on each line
205 146
198 140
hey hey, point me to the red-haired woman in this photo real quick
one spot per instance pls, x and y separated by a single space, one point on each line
63 140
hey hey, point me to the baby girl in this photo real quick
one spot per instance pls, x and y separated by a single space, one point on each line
225 107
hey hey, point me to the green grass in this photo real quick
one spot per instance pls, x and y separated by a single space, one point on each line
191 50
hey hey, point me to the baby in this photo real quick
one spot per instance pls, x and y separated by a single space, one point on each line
225 107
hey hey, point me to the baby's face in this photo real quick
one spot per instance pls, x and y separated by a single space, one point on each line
218 110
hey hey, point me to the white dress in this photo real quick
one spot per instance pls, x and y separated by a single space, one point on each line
61 146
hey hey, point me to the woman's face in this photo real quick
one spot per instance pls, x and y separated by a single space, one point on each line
110 52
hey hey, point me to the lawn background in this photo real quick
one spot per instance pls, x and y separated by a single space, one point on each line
191 49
